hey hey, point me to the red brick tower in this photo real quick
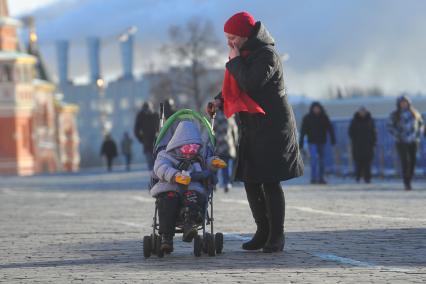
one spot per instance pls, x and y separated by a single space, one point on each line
16 100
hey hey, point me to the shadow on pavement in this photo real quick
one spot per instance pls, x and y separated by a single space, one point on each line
383 248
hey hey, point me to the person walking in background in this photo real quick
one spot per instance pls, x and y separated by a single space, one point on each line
145 130
406 125
316 125
268 152
126 149
169 108
226 133
363 135
109 150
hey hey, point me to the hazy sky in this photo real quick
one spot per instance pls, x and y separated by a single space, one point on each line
331 43
17 7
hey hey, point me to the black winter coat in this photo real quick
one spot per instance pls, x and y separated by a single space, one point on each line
316 127
109 149
146 128
362 132
267 148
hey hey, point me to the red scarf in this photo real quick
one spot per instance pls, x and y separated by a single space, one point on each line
236 100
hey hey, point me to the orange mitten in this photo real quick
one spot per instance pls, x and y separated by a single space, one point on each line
182 178
219 163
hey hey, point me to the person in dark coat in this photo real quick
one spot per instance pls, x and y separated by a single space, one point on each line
268 152
126 149
316 125
226 133
362 131
406 126
169 108
145 130
109 150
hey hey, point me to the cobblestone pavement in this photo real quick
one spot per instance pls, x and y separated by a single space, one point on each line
88 228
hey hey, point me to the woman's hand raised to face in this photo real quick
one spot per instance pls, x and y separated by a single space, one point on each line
233 51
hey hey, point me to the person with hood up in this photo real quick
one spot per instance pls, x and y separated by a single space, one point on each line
145 130
316 125
109 150
268 153
406 125
363 135
126 149
182 170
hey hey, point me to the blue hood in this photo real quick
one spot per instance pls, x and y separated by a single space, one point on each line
187 132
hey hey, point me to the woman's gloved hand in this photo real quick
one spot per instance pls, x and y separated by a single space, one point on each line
182 178
213 106
211 109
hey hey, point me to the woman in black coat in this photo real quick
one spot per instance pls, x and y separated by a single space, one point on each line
362 132
268 151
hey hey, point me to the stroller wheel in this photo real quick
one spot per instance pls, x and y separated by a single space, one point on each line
147 246
218 238
211 249
158 250
198 244
205 243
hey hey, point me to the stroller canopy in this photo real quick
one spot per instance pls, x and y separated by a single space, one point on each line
166 133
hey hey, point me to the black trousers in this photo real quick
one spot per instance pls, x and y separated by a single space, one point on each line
363 169
407 155
172 206
109 162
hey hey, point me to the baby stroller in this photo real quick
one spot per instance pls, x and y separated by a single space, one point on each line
205 242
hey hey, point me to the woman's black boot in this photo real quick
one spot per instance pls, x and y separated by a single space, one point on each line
256 201
275 205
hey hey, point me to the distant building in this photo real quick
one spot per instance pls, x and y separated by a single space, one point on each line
113 108
29 112
105 109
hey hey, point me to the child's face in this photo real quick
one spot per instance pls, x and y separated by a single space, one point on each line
189 150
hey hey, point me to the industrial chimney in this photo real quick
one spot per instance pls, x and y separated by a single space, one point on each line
94 58
127 42
62 49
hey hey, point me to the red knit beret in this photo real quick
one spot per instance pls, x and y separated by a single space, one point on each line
240 24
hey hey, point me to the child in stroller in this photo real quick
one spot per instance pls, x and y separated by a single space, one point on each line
185 170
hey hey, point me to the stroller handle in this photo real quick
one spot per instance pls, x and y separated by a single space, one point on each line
211 110
162 118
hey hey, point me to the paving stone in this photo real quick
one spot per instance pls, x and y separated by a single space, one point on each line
88 228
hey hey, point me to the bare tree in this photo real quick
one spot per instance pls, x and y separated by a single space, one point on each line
192 50
161 87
